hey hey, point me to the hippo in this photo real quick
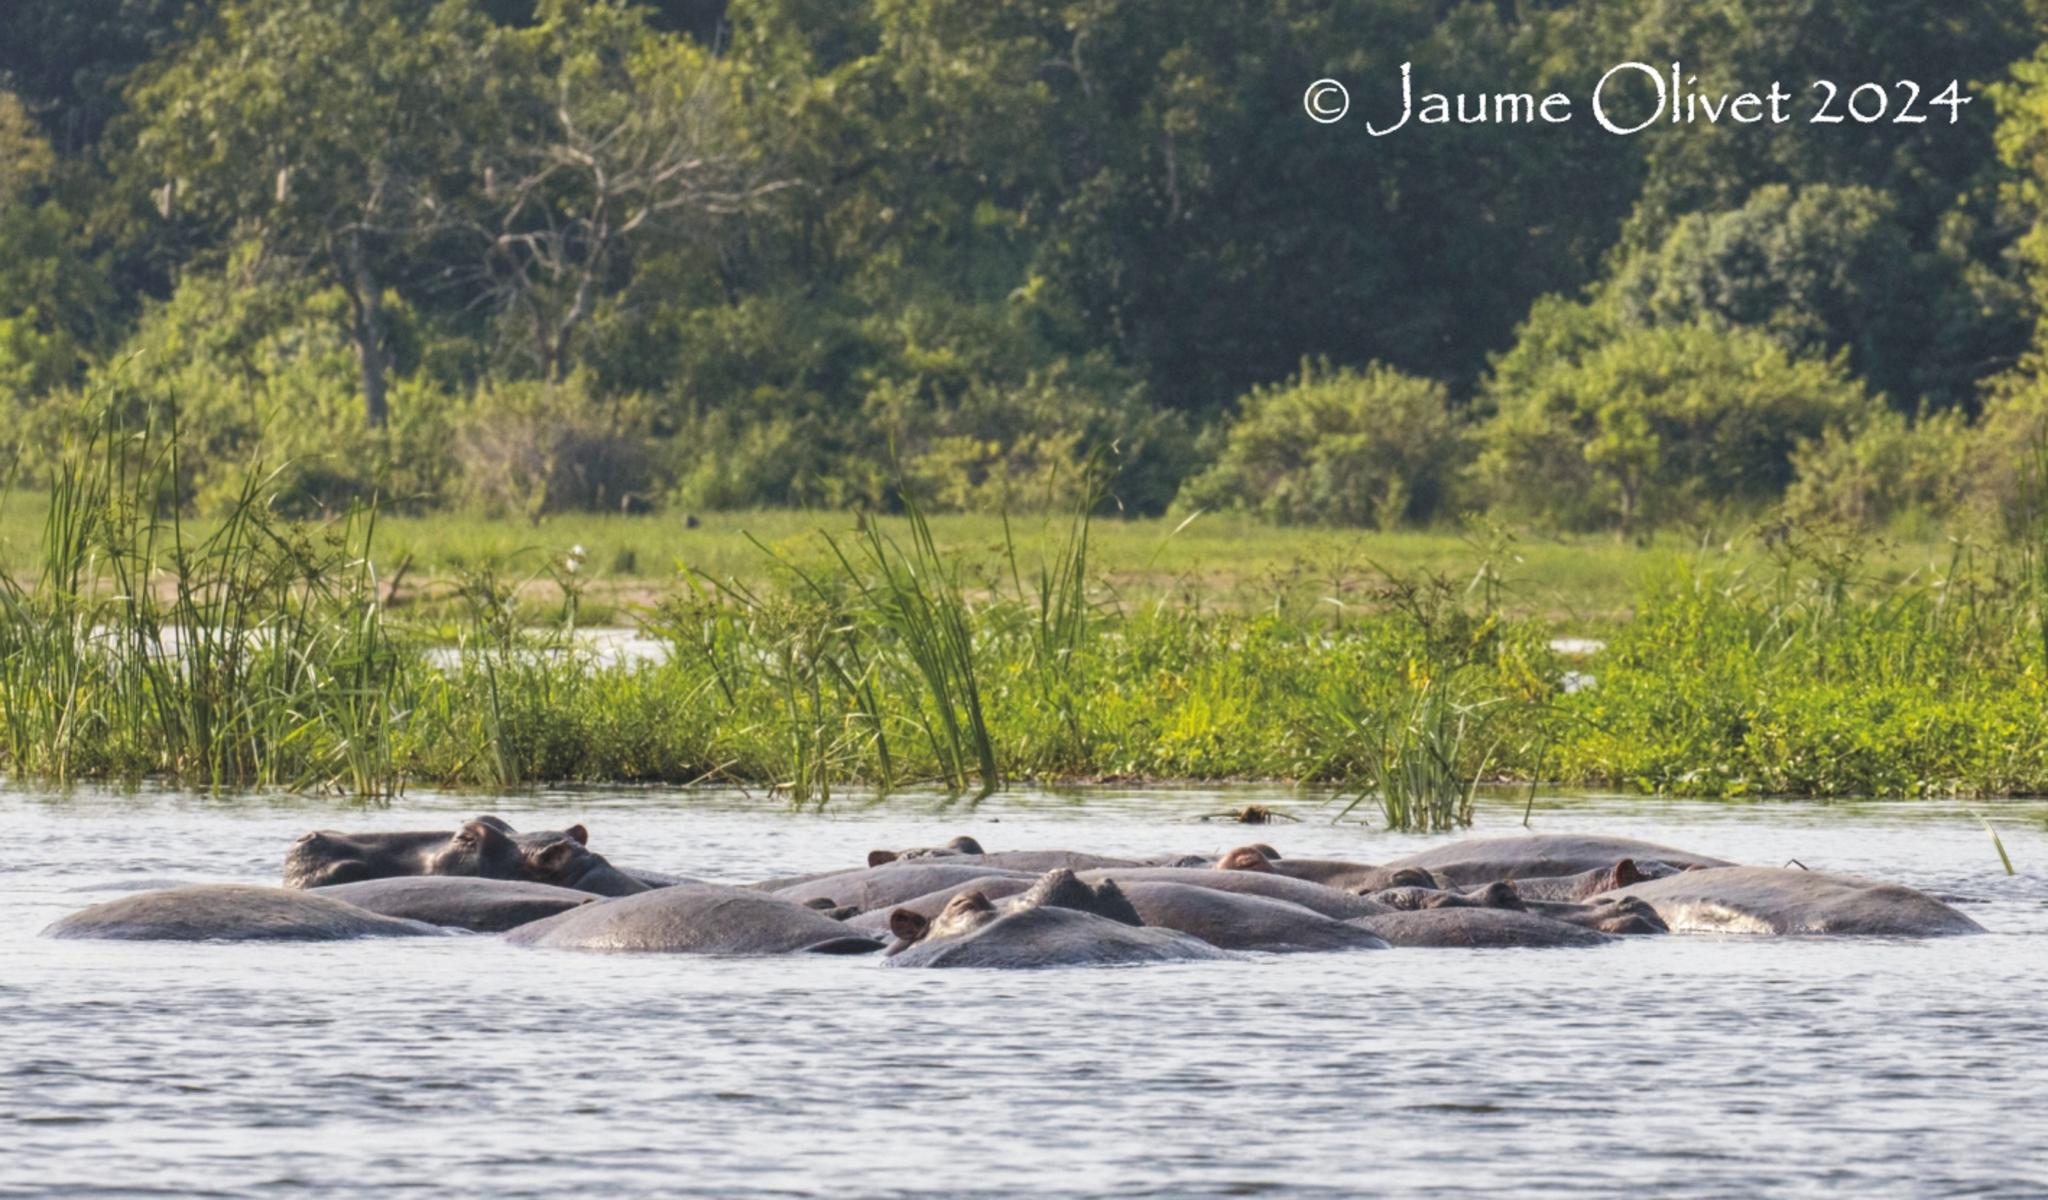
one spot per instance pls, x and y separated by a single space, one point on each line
965 850
1232 921
1613 915
1458 926
1541 856
1620 915
890 884
478 905
1038 929
1587 884
566 860
1341 874
1413 898
958 846
695 918
1363 878
326 857
1784 900
485 847
1313 896
232 912
875 921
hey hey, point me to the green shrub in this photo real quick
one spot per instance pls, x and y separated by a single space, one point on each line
1344 446
1657 424
1887 468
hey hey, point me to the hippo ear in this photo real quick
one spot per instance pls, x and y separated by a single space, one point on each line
908 924
552 855
877 858
578 834
1626 872
1244 858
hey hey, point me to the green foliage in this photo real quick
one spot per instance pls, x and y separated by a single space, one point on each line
785 252
1658 424
257 651
1821 269
1885 469
532 448
1811 683
1340 447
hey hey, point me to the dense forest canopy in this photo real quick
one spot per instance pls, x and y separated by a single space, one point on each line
534 254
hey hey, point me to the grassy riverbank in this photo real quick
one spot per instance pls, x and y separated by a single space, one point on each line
255 652
1227 561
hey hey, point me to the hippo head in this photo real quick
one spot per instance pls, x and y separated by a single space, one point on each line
565 859
970 910
1247 858
1630 915
962 915
489 848
959 845
485 847
1499 894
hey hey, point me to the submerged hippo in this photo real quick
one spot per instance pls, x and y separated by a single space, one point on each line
695 918
1543 856
1344 875
1234 921
992 887
1474 927
231 912
1058 922
1587 884
486 848
890 884
1313 896
967 851
479 905
1780 900
957 846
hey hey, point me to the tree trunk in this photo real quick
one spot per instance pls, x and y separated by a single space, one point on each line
367 332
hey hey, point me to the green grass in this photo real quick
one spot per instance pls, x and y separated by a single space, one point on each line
250 651
1578 583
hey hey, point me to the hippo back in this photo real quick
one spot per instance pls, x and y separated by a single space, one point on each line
1056 937
1536 856
1313 896
231 913
1777 900
886 886
1478 928
695 918
478 905
1232 921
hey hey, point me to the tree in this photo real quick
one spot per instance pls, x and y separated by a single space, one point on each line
335 131
624 135
1337 446
1651 424
50 296
1820 268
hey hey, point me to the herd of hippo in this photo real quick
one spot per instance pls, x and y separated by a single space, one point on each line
958 905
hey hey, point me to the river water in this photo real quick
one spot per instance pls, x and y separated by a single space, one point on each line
1656 1066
